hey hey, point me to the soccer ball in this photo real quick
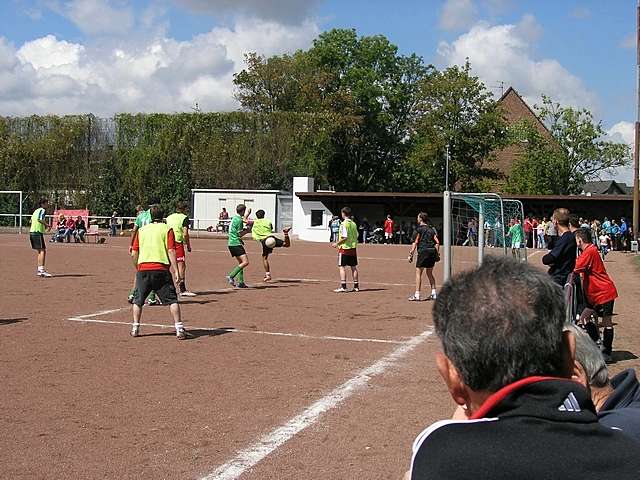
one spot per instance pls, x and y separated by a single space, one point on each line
270 242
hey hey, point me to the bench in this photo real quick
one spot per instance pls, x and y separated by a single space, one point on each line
94 231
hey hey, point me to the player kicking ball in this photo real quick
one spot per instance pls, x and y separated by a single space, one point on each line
179 223
262 232
347 255
154 254
237 230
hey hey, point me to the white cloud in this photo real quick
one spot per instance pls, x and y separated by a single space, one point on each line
504 53
281 11
457 15
623 132
99 17
157 74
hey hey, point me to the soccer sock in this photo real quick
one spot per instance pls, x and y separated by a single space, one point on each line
433 291
236 270
183 287
240 276
343 285
268 274
607 339
41 269
179 326
417 294
356 284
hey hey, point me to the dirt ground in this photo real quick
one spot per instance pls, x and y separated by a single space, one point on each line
82 399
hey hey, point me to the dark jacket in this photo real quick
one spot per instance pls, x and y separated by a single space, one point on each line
562 258
622 408
537 428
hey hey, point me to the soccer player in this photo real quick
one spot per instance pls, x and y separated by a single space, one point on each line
261 231
36 236
389 226
347 255
237 230
517 238
428 247
598 287
179 223
154 253
143 218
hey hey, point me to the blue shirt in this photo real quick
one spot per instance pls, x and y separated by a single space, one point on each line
622 408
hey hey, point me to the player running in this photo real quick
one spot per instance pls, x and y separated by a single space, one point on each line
154 253
179 223
428 247
237 230
262 231
36 236
347 254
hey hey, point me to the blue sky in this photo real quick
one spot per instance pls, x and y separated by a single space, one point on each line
105 56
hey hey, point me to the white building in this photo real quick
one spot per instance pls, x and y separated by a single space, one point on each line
310 218
208 203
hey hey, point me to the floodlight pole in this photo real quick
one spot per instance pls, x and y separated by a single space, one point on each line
446 231
480 233
20 213
636 143
446 168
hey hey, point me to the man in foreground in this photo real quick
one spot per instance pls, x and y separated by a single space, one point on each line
617 400
508 365
154 253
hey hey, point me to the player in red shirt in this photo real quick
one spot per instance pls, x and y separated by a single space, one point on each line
599 289
388 229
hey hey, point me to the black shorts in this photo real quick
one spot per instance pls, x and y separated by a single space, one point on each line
268 251
159 281
427 258
606 309
347 260
237 251
37 241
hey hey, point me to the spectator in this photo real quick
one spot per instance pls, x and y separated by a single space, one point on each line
574 223
389 228
509 365
528 231
542 226
615 235
80 230
606 225
223 220
551 234
624 235
71 228
366 229
113 224
562 258
599 289
617 399
595 231
334 228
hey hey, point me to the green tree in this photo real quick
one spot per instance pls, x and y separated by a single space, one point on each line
577 152
455 109
364 80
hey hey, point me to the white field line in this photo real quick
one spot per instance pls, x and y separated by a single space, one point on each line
268 443
88 319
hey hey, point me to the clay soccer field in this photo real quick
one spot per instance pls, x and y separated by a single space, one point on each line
284 380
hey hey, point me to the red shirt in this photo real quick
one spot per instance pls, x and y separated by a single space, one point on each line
388 226
596 283
528 226
142 267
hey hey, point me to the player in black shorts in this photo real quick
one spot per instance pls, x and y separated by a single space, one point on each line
428 247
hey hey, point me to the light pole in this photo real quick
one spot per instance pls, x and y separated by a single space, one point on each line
446 168
636 137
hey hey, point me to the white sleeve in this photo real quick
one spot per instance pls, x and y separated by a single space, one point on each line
343 231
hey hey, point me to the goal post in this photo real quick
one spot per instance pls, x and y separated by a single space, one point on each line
477 223
11 211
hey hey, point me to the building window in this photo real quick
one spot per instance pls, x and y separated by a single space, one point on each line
316 218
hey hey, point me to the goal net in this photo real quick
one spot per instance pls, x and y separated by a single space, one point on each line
479 224
11 214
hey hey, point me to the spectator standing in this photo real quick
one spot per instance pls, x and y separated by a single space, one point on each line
389 228
223 220
113 224
366 229
80 229
561 260
624 235
542 226
334 228
595 231
509 367
551 234
615 235
528 231
599 289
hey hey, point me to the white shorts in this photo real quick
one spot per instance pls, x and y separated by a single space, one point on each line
388 235
515 245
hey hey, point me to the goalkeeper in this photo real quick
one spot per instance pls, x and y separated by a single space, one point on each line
262 232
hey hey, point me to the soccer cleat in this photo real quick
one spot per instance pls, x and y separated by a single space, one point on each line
182 334
242 285
44 274
135 332
267 278
340 290
413 298
231 281
356 289
433 296
187 294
